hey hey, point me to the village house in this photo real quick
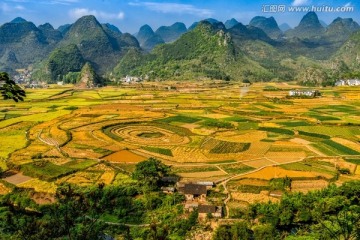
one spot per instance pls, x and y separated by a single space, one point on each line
348 82
131 79
195 192
208 185
168 189
306 93
170 179
191 206
205 210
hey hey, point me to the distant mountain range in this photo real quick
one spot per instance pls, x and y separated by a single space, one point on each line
262 50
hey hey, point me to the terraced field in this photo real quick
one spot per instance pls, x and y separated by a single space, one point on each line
62 134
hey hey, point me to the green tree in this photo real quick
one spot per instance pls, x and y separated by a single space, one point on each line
150 172
9 89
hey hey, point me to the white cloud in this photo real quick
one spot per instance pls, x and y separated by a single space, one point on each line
6 8
80 12
300 2
19 8
174 8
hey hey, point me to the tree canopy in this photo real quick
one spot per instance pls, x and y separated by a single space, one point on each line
150 172
9 89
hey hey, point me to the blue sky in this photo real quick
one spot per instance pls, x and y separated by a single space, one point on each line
130 15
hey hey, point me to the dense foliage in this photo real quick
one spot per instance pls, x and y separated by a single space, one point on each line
9 89
333 213
64 60
150 172
134 210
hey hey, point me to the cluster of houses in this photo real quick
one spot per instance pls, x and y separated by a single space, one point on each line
196 197
23 76
133 79
304 93
349 82
36 84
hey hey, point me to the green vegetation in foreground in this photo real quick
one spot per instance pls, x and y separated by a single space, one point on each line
332 213
9 89
163 151
80 213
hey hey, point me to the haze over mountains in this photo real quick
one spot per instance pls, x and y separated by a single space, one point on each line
208 49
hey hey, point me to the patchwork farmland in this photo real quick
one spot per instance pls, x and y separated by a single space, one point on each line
205 131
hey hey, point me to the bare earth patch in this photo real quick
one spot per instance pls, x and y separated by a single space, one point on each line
190 126
17 179
300 141
259 163
282 157
253 182
308 185
253 198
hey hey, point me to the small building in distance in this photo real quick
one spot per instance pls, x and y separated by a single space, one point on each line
204 210
348 82
195 192
209 185
304 93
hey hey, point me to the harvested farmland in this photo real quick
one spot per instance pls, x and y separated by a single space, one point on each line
124 156
270 172
254 198
308 185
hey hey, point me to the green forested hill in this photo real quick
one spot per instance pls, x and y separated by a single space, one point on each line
22 44
86 41
350 52
201 52
208 49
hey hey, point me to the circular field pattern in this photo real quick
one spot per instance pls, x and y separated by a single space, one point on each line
149 135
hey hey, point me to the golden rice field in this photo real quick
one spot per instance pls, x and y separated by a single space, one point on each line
220 129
